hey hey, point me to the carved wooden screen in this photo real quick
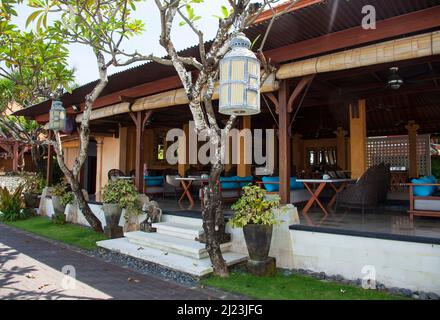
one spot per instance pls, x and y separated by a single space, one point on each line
395 151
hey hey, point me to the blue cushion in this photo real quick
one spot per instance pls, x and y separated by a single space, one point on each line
423 191
244 181
271 187
295 185
153 181
432 179
228 183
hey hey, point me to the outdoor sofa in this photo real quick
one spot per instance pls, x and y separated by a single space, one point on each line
424 197
298 193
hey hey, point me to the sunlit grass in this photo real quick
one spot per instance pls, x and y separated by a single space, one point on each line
72 234
293 287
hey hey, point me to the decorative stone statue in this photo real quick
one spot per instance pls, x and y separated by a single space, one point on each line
154 214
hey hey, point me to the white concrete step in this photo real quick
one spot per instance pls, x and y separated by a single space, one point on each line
167 243
170 260
183 220
179 230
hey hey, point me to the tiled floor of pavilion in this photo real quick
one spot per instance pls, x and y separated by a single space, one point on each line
391 218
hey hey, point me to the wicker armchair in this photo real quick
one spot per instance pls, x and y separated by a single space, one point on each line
115 173
364 193
383 185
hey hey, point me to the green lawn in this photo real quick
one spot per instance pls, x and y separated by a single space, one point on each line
75 235
293 287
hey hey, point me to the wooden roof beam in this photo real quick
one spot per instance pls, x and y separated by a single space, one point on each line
397 26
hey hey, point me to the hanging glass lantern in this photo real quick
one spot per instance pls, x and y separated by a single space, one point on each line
239 79
57 116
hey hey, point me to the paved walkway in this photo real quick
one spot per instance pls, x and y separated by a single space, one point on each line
32 268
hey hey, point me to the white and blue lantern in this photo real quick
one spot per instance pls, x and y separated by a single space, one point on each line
57 116
239 79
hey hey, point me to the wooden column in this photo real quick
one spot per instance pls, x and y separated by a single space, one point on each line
243 168
140 118
358 138
412 128
99 160
284 142
341 156
123 149
284 106
49 168
297 154
182 152
15 155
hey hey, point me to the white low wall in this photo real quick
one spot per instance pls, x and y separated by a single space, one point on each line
402 264
76 216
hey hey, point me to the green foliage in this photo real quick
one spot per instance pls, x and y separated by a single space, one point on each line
33 183
67 198
122 192
7 93
19 128
7 9
12 206
59 189
35 62
225 13
435 166
62 190
59 218
254 208
78 20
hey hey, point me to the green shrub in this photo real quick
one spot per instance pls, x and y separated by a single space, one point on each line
59 218
435 166
122 192
254 208
62 190
33 183
59 189
67 198
12 206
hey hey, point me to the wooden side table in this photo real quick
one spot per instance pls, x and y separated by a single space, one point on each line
398 179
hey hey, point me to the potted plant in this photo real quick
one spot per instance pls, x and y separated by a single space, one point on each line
58 192
117 194
33 187
256 215
61 197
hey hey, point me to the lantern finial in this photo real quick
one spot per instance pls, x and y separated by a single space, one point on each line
240 41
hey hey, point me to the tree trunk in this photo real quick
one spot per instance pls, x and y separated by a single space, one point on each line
214 222
35 158
76 189
94 222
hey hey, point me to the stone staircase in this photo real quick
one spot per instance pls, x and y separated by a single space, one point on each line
173 246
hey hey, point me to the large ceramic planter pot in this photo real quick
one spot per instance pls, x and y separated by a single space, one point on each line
258 238
57 205
112 214
31 200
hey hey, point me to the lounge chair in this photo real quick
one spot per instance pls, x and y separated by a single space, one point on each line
368 191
